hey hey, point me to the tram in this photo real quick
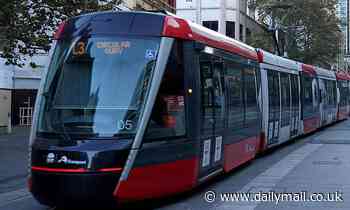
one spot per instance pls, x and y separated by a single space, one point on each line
140 105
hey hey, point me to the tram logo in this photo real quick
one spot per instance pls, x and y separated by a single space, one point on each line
63 159
250 148
50 158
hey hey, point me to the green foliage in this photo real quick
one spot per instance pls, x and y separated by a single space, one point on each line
27 26
261 40
312 28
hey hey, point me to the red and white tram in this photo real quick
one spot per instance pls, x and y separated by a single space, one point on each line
138 105
343 80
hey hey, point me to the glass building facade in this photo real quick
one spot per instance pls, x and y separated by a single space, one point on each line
343 14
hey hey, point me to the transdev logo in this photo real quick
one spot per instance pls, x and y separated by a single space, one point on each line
50 158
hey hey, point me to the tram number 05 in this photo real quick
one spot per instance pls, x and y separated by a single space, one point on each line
125 125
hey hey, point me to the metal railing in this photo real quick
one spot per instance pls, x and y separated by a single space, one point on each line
25 116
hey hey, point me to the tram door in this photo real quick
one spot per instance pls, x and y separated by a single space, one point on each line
295 111
212 116
274 107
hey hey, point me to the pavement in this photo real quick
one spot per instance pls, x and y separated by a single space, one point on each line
318 163
13 159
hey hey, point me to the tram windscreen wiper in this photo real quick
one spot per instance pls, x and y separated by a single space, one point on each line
123 135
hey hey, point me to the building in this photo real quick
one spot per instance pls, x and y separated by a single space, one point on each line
168 5
343 12
6 84
18 89
235 18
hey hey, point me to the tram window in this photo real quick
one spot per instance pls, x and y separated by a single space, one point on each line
308 99
323 94
234 89
285 96
344 92
274 92
207 105
341 91
241 32
218 92
241 96
316 96
295 91
342 97
326 93
168 115
230 29
251 109
330 94
334 92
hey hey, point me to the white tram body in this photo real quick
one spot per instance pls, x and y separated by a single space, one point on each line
281 107
329 96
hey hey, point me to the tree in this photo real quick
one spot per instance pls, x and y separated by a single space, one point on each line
312 28
262 40
27 26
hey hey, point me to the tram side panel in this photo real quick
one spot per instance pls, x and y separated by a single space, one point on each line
229 92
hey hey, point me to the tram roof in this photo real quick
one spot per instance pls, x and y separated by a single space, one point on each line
275 60
342 75
308 69
150 24
321 72
178 27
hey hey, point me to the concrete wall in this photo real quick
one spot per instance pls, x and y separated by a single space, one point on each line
5 107
6 75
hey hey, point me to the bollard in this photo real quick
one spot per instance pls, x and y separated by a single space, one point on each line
9 126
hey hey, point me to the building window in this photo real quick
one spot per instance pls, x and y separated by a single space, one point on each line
230 29
172 2
213 25
241 32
